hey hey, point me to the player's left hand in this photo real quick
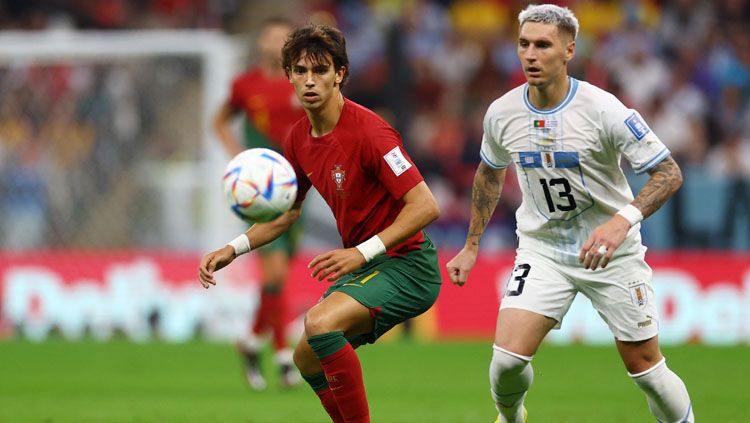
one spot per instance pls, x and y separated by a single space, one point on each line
336 263
212 262
602 243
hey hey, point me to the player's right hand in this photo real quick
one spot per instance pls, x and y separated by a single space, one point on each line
212 262
460 266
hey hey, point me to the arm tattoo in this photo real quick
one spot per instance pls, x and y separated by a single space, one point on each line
485 193
665 179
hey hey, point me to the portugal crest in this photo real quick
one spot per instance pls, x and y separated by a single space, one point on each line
339 176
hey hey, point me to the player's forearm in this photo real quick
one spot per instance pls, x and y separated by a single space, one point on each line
230 143
261 234
665 179
485 193
223 131
420 209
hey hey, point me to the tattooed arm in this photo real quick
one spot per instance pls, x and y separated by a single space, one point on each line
665 179
485 193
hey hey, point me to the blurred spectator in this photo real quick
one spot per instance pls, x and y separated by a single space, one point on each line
639 71
679 15
731 159
429 66
678 117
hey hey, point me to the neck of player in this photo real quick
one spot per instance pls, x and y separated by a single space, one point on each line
551 94
271 68
325 118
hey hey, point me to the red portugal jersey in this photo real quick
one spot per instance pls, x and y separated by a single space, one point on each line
269 103
360 169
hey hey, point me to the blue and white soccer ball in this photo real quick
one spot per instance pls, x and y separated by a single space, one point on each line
259 185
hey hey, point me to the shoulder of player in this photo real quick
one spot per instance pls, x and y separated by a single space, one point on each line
506 105
365 122
507 102
361 113
299 130
595 97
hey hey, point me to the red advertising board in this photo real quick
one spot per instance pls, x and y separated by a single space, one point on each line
701 295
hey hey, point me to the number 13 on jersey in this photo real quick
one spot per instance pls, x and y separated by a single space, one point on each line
556 183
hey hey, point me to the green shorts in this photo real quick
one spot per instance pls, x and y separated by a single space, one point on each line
395 289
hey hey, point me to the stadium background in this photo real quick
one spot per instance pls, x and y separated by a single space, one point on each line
109 179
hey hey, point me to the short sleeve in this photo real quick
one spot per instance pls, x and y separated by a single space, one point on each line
303 182
390 163
492 151
631 135
236 98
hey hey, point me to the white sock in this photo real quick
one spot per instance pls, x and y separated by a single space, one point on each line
284 357
251 343
510 377
666 394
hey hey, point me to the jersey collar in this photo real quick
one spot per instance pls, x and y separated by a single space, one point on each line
572 88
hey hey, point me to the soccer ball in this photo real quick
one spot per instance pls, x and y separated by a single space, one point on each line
259 185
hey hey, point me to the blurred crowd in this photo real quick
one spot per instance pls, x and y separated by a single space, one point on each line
431 67
73 139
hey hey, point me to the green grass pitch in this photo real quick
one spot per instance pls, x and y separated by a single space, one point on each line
406 382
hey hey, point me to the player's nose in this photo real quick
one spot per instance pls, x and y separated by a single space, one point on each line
529 54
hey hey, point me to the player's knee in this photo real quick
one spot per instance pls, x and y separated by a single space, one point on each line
639 360
318 322
641 364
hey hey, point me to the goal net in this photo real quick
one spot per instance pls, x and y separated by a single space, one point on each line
105 140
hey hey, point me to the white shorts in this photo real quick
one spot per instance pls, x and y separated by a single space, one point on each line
621 293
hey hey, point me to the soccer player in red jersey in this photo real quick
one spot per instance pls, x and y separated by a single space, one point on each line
270 107
387 270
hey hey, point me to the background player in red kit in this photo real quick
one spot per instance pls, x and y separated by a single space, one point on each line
387 271
270 109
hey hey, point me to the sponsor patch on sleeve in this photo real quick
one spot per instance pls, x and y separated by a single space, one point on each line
637 126
396 160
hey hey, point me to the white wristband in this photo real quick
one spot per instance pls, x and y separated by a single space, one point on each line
241 245
631 214
371 248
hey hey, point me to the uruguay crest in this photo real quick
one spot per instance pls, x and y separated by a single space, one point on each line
638 294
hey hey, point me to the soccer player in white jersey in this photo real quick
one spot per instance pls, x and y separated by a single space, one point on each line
578 224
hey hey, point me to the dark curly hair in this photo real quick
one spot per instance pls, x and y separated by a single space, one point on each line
319 43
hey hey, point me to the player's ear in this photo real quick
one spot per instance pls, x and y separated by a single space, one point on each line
340 75
570 51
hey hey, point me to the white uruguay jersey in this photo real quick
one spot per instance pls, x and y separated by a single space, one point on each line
568 163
